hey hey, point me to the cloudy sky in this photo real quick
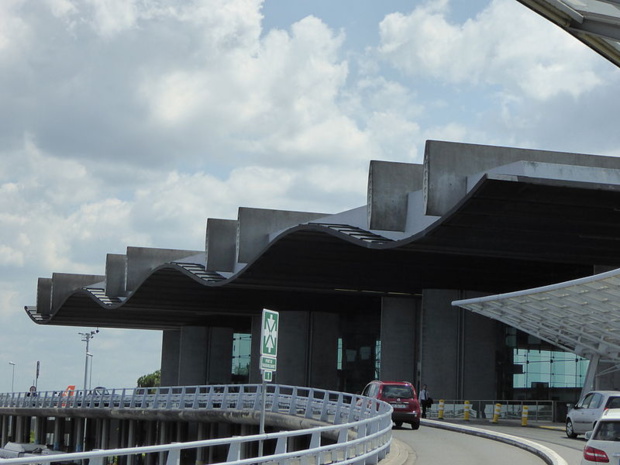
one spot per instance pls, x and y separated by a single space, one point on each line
130 122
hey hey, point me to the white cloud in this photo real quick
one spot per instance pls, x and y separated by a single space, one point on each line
113 16
129 123
503 45
14 31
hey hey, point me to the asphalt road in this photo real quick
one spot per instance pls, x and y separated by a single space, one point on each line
435 446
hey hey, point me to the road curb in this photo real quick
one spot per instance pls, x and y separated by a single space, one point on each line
400 454
549 456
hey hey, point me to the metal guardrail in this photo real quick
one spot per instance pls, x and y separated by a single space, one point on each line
361 426
538 410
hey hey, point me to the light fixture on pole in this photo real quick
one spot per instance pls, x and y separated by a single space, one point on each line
86 337
12 377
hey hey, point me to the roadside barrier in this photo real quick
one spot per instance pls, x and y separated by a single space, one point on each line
358 430
538 410
466 409
524 416
496 413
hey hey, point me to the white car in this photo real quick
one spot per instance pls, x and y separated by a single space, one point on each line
603 444
584 415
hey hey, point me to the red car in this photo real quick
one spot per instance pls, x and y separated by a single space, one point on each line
401 396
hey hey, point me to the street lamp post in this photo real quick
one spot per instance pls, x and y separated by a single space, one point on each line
90 375
12 377
86 337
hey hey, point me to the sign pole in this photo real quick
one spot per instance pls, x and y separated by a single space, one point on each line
262 413
268 361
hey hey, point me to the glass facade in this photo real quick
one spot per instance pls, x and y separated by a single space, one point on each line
242 345
553 369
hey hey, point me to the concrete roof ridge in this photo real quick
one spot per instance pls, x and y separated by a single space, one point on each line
447 165
255 225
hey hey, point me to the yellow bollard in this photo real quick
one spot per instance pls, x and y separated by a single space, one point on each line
496 413
466 411
524 416
440 409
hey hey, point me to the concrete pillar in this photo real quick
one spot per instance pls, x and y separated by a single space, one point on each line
255 350
323 359
19 429
170 355
200 452
39 430
4 435
163 439
457 350
79 434
399 338
105 434
59 430
293 348
193 356
219 359
151 438
131 440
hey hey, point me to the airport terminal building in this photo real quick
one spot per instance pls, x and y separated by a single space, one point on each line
404 287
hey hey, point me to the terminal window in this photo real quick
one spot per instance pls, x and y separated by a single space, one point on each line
555 368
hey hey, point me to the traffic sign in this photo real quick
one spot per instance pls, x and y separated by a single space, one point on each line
269 333
268 363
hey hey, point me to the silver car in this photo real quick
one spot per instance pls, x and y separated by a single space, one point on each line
603 444
584 415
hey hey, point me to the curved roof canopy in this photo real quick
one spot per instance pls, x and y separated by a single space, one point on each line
580 316
479 218
596 23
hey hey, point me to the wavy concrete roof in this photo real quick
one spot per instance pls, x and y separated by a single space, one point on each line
482 218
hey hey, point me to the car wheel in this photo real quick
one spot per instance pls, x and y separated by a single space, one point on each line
415 425
570 432
398 424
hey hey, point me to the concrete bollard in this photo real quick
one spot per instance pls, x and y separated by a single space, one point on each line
466 408
524 416
440 409
496 413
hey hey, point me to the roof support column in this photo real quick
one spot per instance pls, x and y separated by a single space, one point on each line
399 338
219 357
293 348
193 356
171 344
323 357
590 381
457 348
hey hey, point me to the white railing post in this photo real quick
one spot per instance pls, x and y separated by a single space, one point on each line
174 457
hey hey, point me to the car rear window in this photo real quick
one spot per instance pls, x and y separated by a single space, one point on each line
607 431
613 402
403 392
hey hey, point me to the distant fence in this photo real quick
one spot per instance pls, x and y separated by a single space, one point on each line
357 429
538 410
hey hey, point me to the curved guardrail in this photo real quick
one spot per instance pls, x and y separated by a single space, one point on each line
356 429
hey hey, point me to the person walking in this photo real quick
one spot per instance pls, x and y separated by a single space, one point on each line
424 399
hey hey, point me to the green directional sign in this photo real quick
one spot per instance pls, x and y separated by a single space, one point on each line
269 333
268 363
